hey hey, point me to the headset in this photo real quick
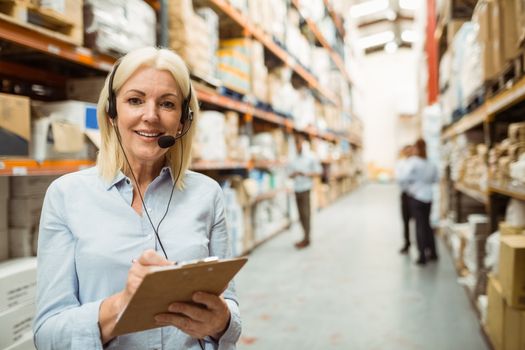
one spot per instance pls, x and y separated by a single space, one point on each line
164 141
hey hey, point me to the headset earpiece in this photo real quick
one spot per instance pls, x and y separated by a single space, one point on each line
111 106
187 113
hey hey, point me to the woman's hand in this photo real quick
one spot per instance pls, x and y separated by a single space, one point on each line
112 306
209 316
139 269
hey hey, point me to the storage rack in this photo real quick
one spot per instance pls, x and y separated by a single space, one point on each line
60 48
484 119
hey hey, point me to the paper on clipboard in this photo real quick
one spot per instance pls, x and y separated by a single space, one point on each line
164 286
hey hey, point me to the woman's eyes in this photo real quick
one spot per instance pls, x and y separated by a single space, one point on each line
167 105
135 101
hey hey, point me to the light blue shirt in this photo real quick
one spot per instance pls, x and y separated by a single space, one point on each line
89 233
401 174
420 175
306 164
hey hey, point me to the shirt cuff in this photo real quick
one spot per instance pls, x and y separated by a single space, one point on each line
233 332
87 330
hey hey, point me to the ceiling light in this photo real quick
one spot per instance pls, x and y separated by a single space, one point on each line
408 4
377 39
368 8
409 36
391 47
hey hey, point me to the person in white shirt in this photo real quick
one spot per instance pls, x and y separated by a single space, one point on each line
400 171
421 175
302 169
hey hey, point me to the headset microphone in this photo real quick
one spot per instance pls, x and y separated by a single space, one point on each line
166 141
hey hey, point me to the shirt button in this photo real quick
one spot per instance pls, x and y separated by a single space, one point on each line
127 181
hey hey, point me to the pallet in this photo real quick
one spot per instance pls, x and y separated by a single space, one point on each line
45 20
264 106
223 90
476 99
509 75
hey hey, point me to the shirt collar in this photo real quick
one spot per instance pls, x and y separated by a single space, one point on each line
165 171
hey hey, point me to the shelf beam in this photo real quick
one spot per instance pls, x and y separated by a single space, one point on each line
466 123
19 34
320 37
476 194
267 41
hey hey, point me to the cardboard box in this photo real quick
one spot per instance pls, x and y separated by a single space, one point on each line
514 329
24 343
495 313
512 269
21 241
452 28
30 186
509 32
66 122
4 244
482 16
15 323
24 212
15 131
85 89
4 186
520 20
496 36
17 282
508 230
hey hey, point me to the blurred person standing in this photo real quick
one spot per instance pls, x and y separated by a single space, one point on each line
400 171
302 169
421 175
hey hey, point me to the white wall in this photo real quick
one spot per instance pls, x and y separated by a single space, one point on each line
387 88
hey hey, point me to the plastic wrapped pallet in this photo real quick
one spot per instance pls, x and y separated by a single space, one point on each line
234 64
281 94
234 219
116 27
297 44
304 112
72 10
210 144
193 37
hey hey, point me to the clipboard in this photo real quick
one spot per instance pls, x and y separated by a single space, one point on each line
165 285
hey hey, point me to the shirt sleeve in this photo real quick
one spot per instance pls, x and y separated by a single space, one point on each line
220 246
316 166
61 322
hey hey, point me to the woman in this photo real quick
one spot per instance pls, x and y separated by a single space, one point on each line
102 229
421 174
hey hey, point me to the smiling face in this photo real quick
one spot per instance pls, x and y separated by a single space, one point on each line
148 106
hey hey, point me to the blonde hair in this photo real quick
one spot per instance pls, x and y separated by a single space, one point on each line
110 158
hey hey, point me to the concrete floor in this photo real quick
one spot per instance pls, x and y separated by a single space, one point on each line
352 289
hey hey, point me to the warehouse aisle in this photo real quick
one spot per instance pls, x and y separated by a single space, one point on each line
351 289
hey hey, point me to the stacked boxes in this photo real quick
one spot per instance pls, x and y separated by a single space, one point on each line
119 26
505 322
25 205
234 64
193 37
258 72
17 306
4 203
66 121
15 129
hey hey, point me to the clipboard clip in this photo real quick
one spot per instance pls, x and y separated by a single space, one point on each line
207 260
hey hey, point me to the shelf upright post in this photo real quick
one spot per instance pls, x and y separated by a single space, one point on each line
164 24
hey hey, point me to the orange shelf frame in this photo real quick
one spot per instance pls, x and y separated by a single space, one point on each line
24 36
335 18
267 41
31 167
320 37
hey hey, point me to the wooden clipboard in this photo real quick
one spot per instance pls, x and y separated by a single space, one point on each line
166 285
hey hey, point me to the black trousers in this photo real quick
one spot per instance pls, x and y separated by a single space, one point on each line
424 234
303 205
405 214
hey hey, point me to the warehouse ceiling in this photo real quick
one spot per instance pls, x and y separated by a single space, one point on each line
385 24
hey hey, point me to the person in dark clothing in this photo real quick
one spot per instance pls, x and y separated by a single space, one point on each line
421 175
401 168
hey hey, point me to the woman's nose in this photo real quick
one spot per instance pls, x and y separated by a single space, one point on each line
150 111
